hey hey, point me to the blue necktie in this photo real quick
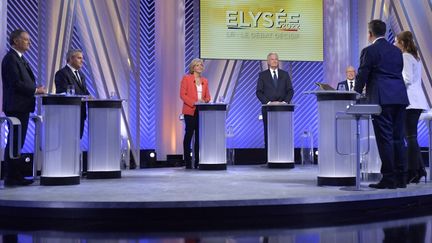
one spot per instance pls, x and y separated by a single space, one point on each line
275 79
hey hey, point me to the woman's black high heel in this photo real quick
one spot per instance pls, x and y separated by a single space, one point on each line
420 173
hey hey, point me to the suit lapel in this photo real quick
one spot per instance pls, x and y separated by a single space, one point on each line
74 78
25 64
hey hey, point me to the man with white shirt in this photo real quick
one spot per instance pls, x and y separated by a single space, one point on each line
380 70
19 88
349 83
70 75
273 87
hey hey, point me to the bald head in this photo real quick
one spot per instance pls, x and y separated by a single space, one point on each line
350 72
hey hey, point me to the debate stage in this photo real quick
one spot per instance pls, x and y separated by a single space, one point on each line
243 196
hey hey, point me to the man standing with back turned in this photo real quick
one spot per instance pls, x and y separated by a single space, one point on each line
380 70
19 88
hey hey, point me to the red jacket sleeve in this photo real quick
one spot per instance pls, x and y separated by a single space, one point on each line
183 93
206 93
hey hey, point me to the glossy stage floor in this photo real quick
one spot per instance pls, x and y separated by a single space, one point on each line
242 196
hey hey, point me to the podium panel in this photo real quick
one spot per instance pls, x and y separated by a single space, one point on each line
280 139
61 140
335 169
104 153
212 141
371 162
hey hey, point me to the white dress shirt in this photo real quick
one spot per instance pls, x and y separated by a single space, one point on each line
353 84
74 72
411 73
199 91
274 70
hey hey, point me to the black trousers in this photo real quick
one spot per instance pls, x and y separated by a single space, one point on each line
12 166
415 161
390 133
191 129
83 117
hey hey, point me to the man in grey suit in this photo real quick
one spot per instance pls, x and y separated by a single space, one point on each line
19 88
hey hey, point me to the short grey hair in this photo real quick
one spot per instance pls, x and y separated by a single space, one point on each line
272 53
72 52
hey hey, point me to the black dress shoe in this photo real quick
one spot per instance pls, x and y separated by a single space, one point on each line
18 182
383 185
401 184
417 175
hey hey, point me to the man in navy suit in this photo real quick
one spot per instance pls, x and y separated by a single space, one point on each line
380 71
349 83
274 87
19 88
71 75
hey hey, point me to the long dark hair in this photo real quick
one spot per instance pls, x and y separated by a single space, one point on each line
405 38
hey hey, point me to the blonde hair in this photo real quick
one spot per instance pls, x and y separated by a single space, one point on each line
193 63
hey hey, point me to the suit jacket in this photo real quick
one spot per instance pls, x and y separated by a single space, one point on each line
65 77
266 91
189 93
18 84
343 85
412 77
380 70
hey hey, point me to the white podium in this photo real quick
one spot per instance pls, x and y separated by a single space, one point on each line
104 153
280 138
61 140
212 141
335 169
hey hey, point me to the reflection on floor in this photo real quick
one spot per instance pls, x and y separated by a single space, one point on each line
241 197
414 230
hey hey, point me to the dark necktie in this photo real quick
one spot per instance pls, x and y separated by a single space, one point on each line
351 85
77 76
26 64
275 79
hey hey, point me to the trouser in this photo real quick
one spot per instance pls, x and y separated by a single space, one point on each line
390 133
191 129
415 161
12 166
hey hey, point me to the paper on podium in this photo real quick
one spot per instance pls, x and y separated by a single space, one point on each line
324 86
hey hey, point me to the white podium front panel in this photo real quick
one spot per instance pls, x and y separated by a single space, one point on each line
333 168
371 162
104 139
280 144
331 163
61 140
212 141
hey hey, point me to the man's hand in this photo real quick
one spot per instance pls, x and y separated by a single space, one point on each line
40 90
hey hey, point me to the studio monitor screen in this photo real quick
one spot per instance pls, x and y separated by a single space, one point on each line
250 29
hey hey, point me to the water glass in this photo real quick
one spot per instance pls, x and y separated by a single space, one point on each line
113 95
70 90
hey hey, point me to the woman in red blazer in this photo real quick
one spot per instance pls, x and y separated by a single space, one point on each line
193 89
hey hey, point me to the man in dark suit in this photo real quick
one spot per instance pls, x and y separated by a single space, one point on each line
380 71
19 88
349 83
273 87
70 75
